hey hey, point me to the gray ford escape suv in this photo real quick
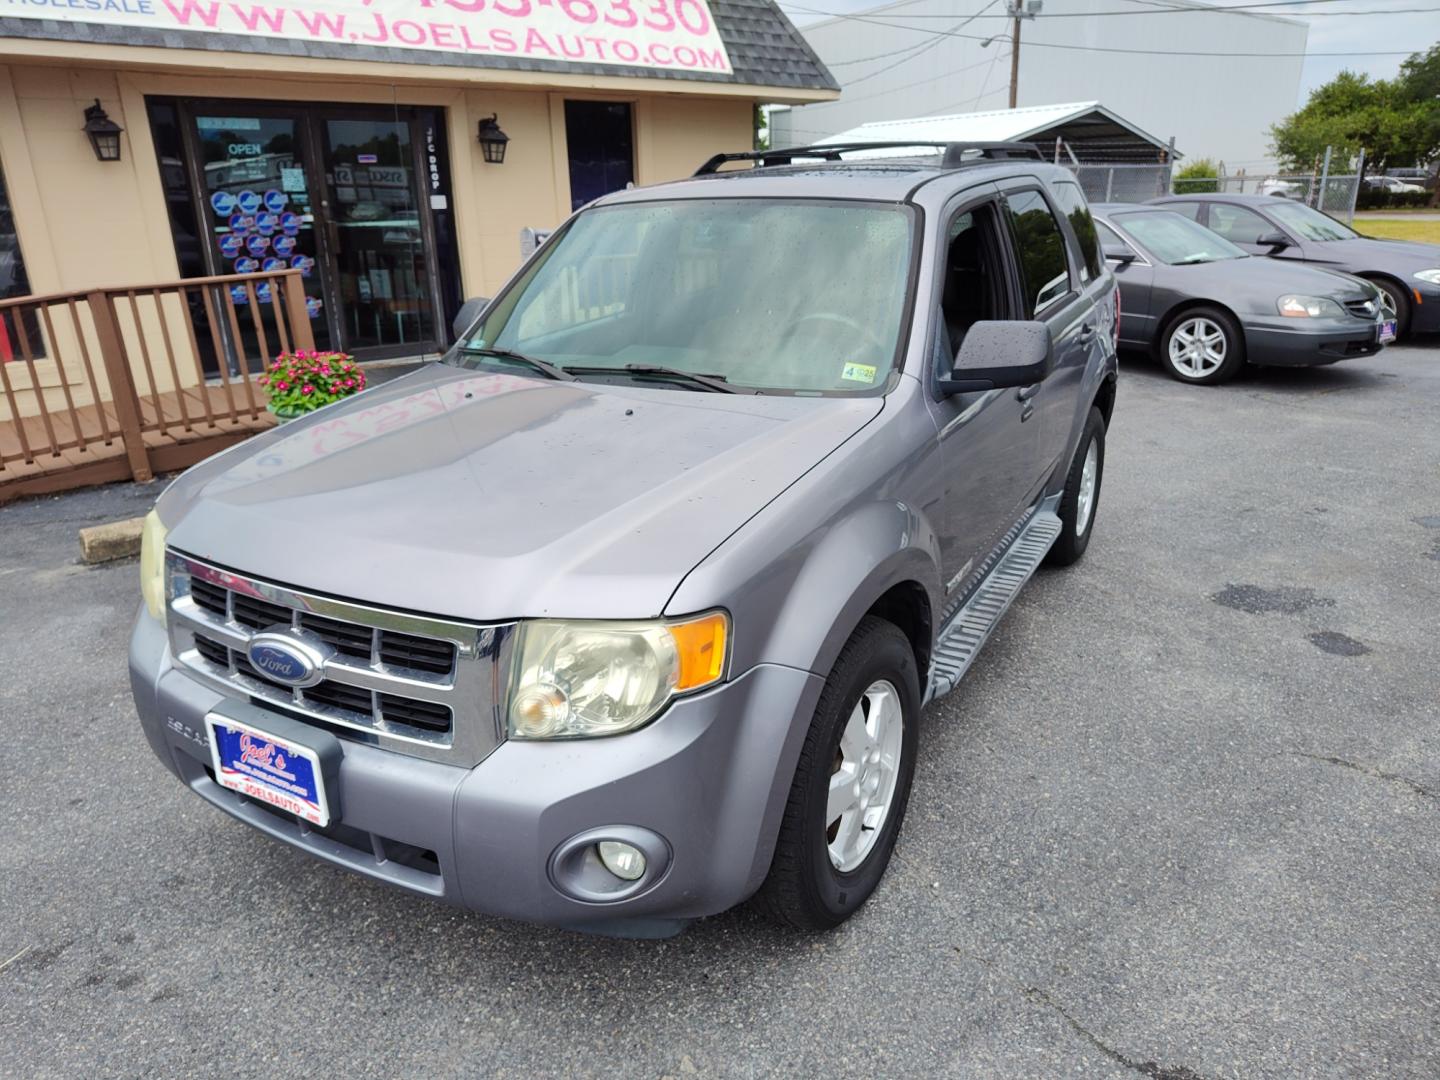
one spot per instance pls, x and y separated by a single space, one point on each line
626 610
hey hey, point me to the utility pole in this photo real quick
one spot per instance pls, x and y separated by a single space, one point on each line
1018 10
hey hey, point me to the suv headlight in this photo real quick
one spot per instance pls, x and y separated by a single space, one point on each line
582 679
1431 277
152 565
1309 307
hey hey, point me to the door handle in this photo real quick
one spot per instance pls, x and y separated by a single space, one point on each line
1086 332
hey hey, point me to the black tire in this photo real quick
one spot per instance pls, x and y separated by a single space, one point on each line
1073 541
1401 300
1234 346
804 889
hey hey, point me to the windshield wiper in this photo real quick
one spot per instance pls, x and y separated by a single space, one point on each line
717 383
554 371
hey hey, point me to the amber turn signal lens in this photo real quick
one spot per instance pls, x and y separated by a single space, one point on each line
700 644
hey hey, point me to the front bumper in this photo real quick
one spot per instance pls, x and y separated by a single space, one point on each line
1306 342
711 777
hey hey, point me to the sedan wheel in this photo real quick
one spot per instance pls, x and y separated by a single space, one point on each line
1197 347
1203 345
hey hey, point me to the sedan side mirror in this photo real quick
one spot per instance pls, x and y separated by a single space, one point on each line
468 313
1275 241
1000 354
1119 253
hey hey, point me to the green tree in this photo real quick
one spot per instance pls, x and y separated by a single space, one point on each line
1197 177
1396 122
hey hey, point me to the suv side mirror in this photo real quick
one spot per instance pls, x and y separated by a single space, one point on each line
999 354
1118 253
468 313
1275 241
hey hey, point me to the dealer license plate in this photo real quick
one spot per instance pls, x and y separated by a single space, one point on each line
260 766
1387 331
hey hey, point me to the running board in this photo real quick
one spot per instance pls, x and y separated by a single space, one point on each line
963 635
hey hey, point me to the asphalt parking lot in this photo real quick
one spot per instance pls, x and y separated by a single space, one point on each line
1180 821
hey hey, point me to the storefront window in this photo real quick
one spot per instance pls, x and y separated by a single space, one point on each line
600 140
13 282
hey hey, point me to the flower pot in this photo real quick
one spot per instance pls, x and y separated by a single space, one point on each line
285 412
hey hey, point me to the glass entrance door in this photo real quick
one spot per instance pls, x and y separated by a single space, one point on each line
345 195
257 186
377 234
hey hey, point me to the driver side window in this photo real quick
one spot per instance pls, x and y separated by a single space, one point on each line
975 288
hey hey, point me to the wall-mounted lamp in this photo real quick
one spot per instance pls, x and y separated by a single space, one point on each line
493 140
104 133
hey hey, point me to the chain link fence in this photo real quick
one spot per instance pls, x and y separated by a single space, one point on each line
1332 194
1122 183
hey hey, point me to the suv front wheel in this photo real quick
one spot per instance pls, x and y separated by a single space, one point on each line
851 785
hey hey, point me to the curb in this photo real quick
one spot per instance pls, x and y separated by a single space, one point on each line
115 540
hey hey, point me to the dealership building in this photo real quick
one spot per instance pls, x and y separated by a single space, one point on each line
396 153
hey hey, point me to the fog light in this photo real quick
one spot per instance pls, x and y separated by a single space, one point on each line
625 861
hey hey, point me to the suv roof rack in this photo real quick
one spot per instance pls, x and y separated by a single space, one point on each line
956 153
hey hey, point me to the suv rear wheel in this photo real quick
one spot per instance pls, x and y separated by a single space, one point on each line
851 785
1081 498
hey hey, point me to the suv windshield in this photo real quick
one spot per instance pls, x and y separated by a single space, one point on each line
781 295
1309 224
1175 239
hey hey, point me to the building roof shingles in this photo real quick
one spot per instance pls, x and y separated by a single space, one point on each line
765 48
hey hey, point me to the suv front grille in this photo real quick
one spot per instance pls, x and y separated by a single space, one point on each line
396 649
415 684
1362 309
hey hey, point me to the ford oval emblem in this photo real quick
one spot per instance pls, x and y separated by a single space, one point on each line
287 658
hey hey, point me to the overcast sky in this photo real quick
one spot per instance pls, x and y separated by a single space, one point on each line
1349 33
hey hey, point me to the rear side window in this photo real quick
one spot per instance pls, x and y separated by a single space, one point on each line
1111 238
1040 245
1238 225
1073 206
1189 209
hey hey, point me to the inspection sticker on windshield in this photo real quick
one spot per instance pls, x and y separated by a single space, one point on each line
858 373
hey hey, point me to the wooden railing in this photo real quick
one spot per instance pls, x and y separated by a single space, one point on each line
121 383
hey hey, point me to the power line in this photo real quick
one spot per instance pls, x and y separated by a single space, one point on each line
922 47
851 99
870 21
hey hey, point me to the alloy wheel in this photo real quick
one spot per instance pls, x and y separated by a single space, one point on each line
1085 497
1198 347
862 783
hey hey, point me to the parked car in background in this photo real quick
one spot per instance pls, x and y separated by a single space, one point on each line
627 609
1393 184
1408 273
1205 308
1285 189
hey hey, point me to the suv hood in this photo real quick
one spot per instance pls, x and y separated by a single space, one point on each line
496 496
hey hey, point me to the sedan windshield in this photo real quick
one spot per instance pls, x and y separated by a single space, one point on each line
797 296
1309 224
1175 239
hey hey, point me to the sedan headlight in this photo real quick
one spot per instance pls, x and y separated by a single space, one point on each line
1430 277
1309 307
152 565
582 679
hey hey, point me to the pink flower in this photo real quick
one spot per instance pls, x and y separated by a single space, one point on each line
307 389
325 369
283 385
